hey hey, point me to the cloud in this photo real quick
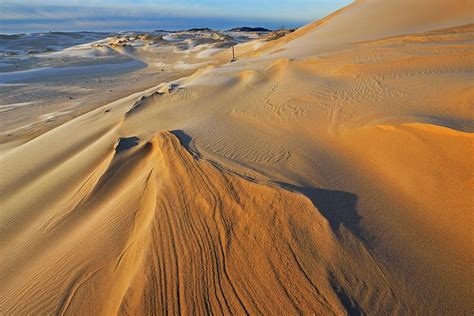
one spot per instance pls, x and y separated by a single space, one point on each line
106 15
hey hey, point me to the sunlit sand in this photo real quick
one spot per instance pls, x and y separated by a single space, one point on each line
327 171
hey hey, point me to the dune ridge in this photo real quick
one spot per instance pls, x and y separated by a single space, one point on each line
155 227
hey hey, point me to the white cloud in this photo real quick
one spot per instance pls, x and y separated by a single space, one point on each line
31 15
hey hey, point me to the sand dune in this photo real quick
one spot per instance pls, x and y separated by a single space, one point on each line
327 172
345 26
65 75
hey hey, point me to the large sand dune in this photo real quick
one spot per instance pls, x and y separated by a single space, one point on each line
327 172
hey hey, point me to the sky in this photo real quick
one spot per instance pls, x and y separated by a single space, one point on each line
18 16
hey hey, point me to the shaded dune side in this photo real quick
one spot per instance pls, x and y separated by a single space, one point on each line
154 230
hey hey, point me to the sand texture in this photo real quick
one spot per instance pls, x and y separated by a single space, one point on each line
327 172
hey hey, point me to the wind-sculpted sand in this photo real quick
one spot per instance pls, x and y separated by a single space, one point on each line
326 172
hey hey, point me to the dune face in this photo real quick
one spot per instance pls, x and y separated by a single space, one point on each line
327 172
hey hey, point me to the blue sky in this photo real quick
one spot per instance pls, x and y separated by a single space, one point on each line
120 15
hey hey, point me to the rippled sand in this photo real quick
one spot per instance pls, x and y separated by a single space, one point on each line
328 172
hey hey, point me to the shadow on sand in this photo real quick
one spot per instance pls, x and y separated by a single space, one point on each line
125 143
338 207
184 138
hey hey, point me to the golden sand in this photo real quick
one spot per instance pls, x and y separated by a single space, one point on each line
328 172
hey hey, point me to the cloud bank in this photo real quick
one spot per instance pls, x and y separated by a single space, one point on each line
39 16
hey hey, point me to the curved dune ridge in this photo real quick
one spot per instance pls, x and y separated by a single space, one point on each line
327 172
175 234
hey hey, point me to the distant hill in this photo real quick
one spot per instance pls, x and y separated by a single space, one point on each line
206 29
249 29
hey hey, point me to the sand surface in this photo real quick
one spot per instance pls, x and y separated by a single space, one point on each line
329 171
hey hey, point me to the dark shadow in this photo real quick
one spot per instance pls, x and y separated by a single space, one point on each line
338 207
186 141
125 143
184 138
350 305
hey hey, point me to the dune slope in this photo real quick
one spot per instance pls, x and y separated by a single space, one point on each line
175 234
